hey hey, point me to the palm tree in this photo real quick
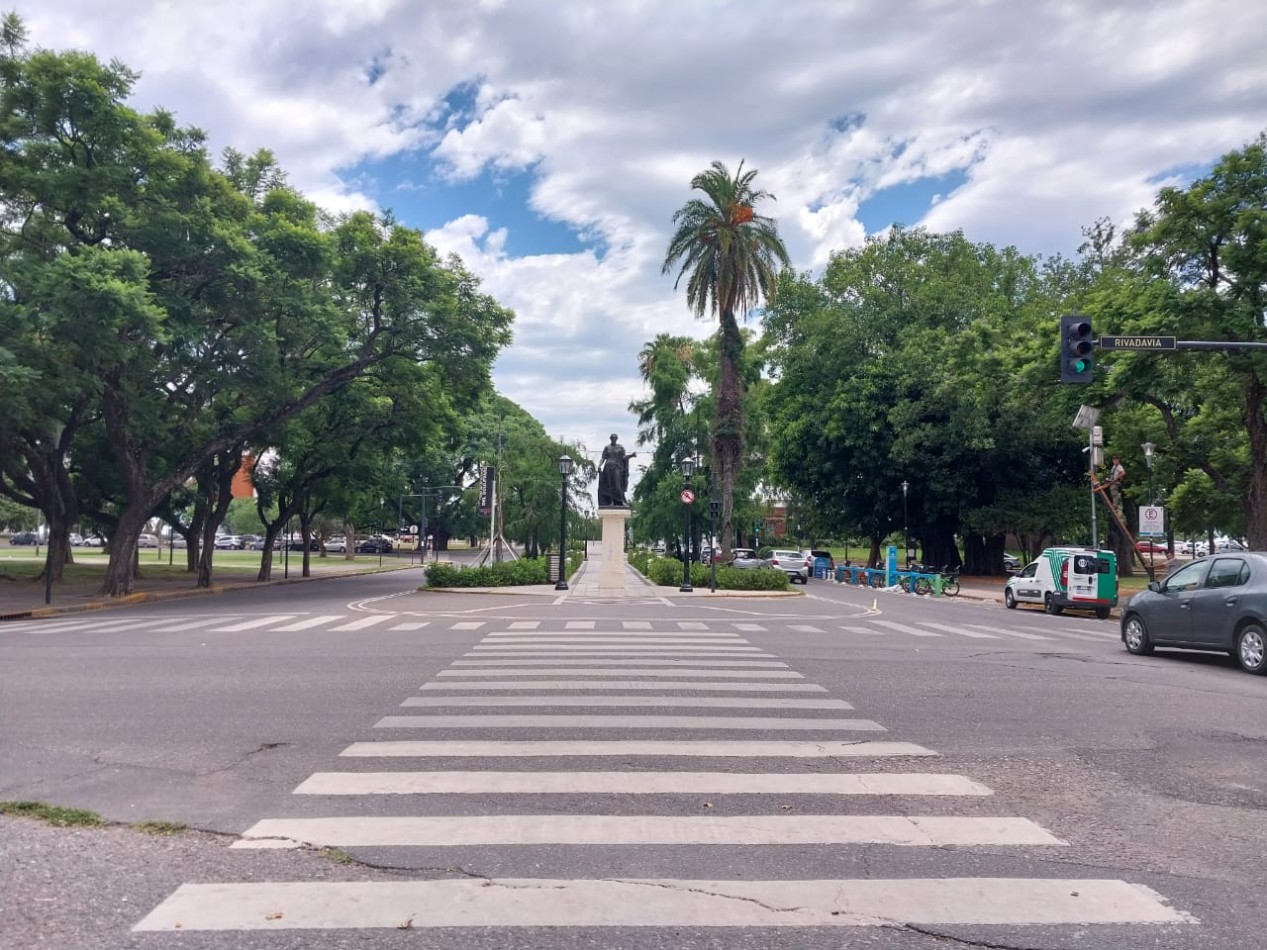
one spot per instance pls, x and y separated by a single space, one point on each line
728 254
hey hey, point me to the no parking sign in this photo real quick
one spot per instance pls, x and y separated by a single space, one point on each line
1152 521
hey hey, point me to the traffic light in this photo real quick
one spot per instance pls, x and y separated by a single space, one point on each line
1076 346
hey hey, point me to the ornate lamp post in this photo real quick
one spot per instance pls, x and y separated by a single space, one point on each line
565 469
906 535
1149 448
687 466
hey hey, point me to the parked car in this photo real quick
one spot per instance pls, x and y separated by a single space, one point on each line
812 556
374 546
76 540
94 541
1217 603
744 558
147 541
337 545
1150 547
259 544
1011 562
229 542
791 563
179 542
23 538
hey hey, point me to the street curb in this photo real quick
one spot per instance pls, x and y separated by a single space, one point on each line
145 597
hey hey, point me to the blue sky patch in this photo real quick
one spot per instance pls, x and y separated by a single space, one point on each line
412 187
906 203
1186 173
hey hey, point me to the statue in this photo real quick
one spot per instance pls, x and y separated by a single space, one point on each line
613 475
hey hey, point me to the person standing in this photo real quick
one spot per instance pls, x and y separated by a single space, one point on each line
1117 475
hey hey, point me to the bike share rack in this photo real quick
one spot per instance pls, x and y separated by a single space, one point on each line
879 577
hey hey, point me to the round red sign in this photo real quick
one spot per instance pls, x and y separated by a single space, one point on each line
688 496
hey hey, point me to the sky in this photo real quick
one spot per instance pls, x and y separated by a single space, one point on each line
549 143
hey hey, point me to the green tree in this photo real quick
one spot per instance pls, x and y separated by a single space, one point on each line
728 254
1195 266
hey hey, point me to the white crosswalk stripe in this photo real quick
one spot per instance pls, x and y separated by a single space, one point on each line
733 702
253 624
703 684
625 721
639 783
364 623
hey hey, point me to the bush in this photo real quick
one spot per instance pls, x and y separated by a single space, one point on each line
506 574
667 572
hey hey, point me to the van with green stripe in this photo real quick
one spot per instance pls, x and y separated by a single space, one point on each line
1067 579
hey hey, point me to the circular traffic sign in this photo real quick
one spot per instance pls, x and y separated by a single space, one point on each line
688 496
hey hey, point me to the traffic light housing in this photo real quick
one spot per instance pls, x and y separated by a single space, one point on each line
1077 346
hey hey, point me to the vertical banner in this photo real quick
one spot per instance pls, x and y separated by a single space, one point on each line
891 566
486 489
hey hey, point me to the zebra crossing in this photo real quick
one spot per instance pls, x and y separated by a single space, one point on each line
584 638
488 744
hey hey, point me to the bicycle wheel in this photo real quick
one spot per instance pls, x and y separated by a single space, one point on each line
923 586
950 586
905 584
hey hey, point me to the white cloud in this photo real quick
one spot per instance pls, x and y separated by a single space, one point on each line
1057 114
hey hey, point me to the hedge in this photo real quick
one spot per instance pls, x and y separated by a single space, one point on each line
667 572
506 574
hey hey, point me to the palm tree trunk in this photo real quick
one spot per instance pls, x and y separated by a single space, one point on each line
728 422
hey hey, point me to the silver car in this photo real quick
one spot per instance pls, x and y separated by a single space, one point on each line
790 562
1216 603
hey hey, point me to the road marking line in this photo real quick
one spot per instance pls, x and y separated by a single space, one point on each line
728 702
363 623
628 684
410 626
1007 633
867 631
614 638
726 650
253 624
636 624
804 628
624 721
693 748
691 625
959 631
749 627
310 622
902 628
467 625
693 661
629 653
667 903
458 831
572 671
638 783
579 625
525 625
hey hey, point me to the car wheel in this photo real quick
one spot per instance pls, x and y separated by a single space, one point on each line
1135 636
1051 607
1009 599
1250 647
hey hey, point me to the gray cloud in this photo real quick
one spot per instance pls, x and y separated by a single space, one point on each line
1057 114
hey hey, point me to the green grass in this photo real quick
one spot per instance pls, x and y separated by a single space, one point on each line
159 827
54 815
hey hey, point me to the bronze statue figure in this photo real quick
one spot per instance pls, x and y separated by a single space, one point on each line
613 475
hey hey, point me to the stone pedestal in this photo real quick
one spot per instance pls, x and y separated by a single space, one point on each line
612 573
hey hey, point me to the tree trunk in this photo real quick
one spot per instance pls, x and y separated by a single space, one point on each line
728 422
121 568
1256 497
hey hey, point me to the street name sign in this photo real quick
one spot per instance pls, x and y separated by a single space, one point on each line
1137 343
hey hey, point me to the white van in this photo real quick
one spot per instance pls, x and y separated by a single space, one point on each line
1066 579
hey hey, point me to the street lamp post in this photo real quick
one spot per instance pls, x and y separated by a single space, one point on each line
565 469
1149 448
906 534
688 468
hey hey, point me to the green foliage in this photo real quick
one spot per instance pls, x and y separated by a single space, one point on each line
667 572
55 815
518 573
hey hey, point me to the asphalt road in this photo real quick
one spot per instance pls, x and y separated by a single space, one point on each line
1082 781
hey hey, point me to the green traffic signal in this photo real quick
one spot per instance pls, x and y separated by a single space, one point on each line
1076 345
